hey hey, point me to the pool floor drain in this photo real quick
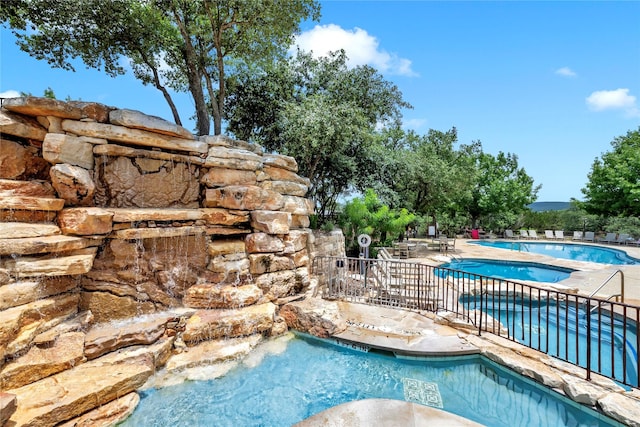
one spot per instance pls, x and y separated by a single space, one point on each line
422 392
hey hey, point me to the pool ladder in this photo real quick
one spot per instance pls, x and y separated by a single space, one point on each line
608 279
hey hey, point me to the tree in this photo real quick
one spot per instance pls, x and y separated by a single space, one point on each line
319 111
186 45
613 186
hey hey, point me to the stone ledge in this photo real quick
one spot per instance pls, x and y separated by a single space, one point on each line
31 203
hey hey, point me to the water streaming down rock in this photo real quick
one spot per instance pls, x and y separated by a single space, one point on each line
129 246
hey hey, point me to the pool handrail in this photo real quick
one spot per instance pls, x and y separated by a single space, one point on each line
621 294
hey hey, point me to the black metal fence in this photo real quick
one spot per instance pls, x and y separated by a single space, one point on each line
599 335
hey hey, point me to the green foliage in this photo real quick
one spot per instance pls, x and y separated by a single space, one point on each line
370 216
319 111
629 225
613 187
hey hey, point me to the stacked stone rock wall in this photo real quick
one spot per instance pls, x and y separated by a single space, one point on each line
108 214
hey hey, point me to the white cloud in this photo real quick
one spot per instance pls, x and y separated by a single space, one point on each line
361 48
566 72
618 99
414 124
10 94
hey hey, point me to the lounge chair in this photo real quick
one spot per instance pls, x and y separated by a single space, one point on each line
559 234
589 236
533 234
577 235
609 238
508 234
524 234
623 239
548 234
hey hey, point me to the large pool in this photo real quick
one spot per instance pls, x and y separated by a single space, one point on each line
572 251
516 270
313 375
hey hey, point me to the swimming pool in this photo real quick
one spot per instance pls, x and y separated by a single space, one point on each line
312 375
560 330
572 251
517 270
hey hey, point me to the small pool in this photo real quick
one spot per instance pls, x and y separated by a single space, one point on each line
515 270
312 375
572 251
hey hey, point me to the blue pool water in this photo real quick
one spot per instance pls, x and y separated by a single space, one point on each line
551 327
515 270
313 375
573 251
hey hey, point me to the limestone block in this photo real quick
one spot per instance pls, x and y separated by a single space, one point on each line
14 158
16 230
21 126
138 120
263 242
132 136
621 407
211 295
109 414
247 197
222 177
113 150
296 241
316 317
213 324
8 405
92 110
43 244
92 140
27 291
225 141
37 106
281 161
108 337
19 325
210 216
85 221
35 188
77 323
298 205
38 363
174 185
76 262
280 174
232 163
26 216
107 307
270 222
61 148
31 203
73 184
76 391
300 221
54 124
212 352
301 258
225 247
156 233
268 263
229 264
285 187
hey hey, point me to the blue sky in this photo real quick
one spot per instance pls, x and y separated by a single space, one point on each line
552 82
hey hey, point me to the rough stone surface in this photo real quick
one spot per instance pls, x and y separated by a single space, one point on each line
318 318
73 184
107 415
73 392
270 222
16 230
76 262
214 296
65 353
269 263
281 161
27 291
20 161
60 148
36 106
243 197
137 120
35 188
85 221
215 351
263 242
8 405
222 177
136 183
106 306
20 126
213 324
621 407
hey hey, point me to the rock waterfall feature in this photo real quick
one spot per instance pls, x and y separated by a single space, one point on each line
129 246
